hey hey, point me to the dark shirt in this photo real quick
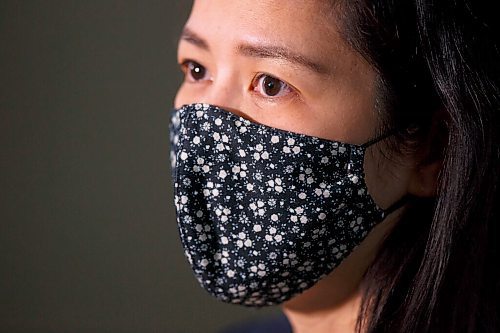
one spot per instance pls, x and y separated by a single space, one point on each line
275 324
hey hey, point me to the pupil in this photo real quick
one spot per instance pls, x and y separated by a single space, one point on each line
197 71
272 86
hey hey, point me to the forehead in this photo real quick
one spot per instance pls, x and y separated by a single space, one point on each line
308 26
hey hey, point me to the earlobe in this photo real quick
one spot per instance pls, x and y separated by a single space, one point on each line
424 181
425 177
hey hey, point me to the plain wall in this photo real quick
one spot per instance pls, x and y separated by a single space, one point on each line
88 238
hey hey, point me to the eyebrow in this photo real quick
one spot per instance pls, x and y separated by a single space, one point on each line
189 36
260 51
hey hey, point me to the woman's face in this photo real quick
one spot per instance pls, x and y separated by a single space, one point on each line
285 65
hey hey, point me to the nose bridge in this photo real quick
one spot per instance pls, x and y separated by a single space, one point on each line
226 92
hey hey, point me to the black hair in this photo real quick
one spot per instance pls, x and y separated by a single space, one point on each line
438 62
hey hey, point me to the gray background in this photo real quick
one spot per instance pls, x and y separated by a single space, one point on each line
88 241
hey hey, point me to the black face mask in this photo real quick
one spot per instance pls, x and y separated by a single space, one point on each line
263 213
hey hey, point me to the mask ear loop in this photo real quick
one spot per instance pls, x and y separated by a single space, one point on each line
398 204
405 198
378 139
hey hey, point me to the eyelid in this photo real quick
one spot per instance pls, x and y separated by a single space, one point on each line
294 92
184 65
260 74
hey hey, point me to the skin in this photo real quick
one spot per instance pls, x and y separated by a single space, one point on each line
325 89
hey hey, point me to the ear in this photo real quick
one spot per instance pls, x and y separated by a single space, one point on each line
424 179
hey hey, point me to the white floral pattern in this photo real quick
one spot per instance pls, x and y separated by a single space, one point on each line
264 213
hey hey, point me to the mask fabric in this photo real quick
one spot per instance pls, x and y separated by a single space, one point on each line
263 213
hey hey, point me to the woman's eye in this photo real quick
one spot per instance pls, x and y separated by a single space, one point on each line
194 71
269 86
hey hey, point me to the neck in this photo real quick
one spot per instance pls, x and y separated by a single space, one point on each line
332 305
339 319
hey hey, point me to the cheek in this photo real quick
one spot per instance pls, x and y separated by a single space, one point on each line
182 97
387 179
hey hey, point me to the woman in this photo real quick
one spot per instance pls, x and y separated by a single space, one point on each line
341 158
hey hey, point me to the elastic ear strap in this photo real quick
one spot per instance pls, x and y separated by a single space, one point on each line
378 139
398 204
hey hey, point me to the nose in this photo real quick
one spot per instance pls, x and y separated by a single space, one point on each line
226 93
227 89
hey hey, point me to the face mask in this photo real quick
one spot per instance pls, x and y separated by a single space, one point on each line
263 213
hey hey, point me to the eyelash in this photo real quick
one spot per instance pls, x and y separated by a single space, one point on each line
284 91
187 67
